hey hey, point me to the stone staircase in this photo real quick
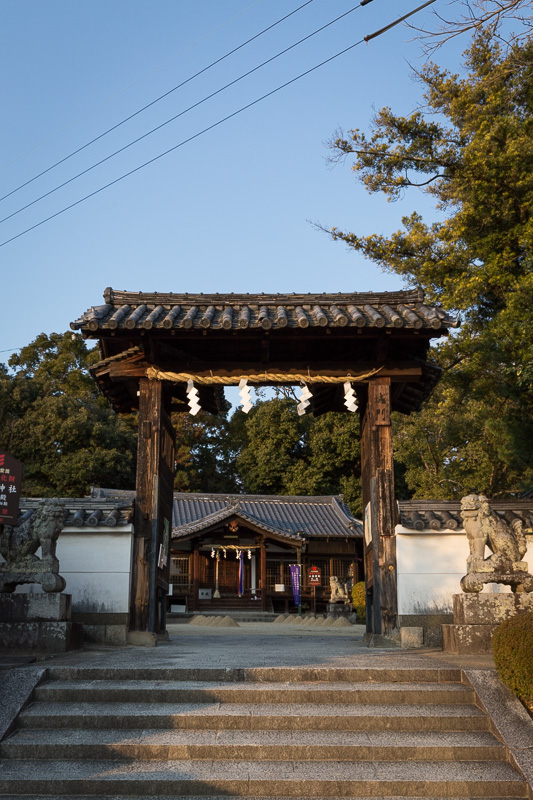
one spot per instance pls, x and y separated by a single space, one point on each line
263 732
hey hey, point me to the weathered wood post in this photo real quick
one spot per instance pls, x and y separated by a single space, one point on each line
153 506
263 575
378 491
195 574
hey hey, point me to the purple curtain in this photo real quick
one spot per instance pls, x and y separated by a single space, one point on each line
241 572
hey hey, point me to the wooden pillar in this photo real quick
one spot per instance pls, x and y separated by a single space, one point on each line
195 576
153 506
379 505
263 576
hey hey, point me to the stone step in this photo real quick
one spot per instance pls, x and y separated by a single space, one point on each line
224 716
248 692
252 745
327 675
245 778
227 797
232 797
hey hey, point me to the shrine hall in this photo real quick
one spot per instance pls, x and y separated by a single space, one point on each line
233 552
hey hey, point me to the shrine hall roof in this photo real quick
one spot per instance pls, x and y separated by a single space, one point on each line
130 311
294 517
445 516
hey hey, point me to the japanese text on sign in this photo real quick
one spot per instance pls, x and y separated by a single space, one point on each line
10 480
315 576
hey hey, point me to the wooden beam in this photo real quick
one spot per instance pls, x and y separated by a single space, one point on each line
153 504
400 371
263 575
378 490
195 575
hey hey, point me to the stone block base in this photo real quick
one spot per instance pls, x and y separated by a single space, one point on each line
412 637
431 625
476 617
467 639
41 607
103 628
42 637
114 635
336 610
141 638
489 609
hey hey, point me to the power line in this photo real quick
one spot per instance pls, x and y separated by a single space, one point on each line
220 121
180 114
130 85
153 102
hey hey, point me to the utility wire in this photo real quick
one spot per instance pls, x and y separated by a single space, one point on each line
153 102
181 113
216 124
130 85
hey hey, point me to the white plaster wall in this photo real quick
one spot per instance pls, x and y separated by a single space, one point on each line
430 566
96 565
97 569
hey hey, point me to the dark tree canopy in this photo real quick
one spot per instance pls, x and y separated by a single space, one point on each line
471 149
282 453
54 421
205 454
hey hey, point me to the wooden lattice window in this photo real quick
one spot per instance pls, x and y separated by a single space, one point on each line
340 567
179 571
273 573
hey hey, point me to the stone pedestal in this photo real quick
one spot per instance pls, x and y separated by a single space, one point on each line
38 623
336 610
475 618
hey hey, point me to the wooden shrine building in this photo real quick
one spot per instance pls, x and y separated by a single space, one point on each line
215 538
233 552
164 353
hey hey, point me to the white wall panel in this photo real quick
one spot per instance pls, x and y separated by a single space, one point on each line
97 568
430 567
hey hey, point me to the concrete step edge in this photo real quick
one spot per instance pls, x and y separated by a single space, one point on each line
150 787
236 687
260 674
235 797
308 753
258 696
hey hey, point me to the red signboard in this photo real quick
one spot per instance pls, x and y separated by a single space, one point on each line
10 481
315 576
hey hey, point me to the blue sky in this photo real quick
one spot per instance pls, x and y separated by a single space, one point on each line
231 210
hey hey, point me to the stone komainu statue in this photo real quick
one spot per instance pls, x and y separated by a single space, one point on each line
507 541
338 591
19 544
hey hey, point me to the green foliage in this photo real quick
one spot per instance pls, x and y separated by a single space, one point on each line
475 163
359 600
54 421
512 646
205 455
471 149
282 453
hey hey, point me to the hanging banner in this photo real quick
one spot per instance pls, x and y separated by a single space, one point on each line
241 574
295 582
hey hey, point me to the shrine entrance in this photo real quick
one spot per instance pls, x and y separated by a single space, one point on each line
359 353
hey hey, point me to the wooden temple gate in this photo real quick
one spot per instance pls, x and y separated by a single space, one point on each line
156 347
